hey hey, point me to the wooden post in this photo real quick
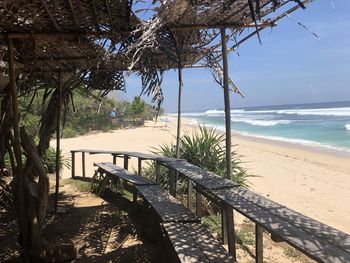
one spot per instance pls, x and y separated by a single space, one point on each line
258 244
171 182
58 139
73 163
83 163
126 162
179 100
227 104
198 204
157 172
226 223
231 240
224 235
139 166
21 188
114 159
189 194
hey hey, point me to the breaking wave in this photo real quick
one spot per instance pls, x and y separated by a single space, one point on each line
263 122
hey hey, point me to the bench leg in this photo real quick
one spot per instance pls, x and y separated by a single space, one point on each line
73 164
172 182
198 204
139 166
231 238
258 244
83 163
126 162
189 194
157 172
134 195
224 235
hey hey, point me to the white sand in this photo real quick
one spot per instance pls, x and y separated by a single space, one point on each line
312 182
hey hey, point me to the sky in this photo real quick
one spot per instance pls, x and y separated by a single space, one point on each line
291 66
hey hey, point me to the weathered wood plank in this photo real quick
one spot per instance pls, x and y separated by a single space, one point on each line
315 247
184 244
201 177
187 238
334 236
124 174
167 207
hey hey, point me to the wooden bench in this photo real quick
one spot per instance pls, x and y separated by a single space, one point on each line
99 181
168 208
320 242
191 241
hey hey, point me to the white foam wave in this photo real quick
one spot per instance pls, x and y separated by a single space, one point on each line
298 141
265 123
347 126
318 112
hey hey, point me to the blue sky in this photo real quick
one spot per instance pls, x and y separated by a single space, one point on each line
291 66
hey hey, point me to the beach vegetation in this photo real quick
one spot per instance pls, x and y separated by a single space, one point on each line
205 148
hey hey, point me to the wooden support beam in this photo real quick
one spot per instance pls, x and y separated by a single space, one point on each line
189 194
126 162
231 238
227 105
171 175
71 9
73 163
224 235
139 166
58 139
109 15
198 204
83 163
259 256
179 102
21 187
157 172
114 159
50 15
71 34
14 102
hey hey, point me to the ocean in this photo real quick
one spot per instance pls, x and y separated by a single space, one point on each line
323 125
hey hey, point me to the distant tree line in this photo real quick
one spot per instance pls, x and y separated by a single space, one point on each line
87 112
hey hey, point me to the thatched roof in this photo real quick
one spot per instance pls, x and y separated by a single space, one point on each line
83 36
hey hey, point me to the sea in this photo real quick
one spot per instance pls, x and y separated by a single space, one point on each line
322 125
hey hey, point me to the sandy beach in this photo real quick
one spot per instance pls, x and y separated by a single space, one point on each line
311 181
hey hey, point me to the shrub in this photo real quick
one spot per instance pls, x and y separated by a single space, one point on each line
205 148
49 161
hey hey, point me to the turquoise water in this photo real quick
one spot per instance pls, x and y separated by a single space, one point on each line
320 124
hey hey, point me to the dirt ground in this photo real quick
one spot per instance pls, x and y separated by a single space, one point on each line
102 230
114 229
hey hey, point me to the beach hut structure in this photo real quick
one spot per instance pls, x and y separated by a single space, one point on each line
69 42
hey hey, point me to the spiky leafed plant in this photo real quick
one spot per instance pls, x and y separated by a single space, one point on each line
205 148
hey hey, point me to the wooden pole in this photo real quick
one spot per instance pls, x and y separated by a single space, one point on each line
20 191
58 140
83 164
258 244
178 132
227 217
227 104
179 102
73 163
